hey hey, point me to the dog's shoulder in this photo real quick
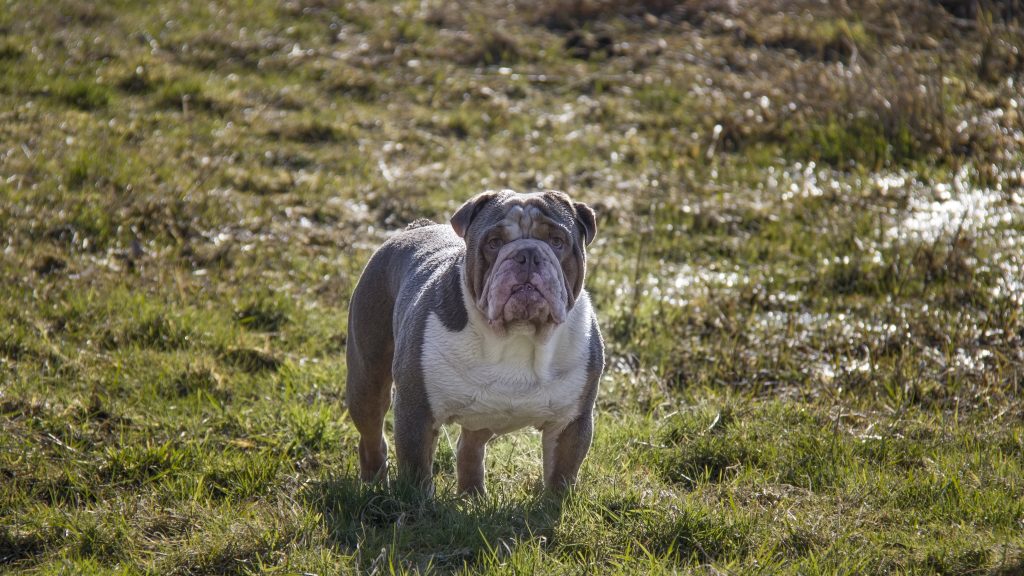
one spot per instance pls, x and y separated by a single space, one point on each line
424 266
424 239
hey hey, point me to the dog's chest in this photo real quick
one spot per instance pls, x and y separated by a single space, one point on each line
482 382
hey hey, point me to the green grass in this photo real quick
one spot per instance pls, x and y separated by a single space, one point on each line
806 268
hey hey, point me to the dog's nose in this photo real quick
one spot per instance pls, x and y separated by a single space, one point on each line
528 260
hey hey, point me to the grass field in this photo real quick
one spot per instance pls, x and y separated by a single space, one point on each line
807 269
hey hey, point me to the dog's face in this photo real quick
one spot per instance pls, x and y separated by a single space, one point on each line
525 256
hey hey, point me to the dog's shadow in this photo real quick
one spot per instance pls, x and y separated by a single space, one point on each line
400 526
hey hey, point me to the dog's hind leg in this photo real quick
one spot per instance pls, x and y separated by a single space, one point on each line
369 353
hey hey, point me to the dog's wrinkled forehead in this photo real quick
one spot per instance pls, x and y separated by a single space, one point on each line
522 220
532 214
524 215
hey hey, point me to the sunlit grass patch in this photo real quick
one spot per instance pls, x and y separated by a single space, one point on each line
84 94
139 465
152 329
185 95
826 39
491 46
351 83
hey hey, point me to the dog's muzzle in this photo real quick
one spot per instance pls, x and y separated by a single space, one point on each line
526 285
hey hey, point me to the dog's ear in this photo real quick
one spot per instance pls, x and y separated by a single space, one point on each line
586 220
464 215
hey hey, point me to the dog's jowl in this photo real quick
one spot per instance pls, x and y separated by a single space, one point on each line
483 322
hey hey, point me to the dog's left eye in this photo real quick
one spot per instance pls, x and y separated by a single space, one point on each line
556 242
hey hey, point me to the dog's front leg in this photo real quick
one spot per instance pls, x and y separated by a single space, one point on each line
564 451
415 441
470 460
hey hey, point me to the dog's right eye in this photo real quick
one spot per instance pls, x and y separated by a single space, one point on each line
494 244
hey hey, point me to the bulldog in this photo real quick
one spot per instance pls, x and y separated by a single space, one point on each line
482 322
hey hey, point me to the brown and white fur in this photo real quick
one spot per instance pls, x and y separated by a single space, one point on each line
485 323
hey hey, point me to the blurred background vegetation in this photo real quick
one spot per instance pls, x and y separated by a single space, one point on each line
808 272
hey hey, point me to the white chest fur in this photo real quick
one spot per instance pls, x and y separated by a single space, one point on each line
480 380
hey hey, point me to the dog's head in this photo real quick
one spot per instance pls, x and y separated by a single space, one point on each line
525 256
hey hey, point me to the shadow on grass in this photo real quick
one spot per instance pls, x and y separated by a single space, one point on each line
1010 567
399 526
